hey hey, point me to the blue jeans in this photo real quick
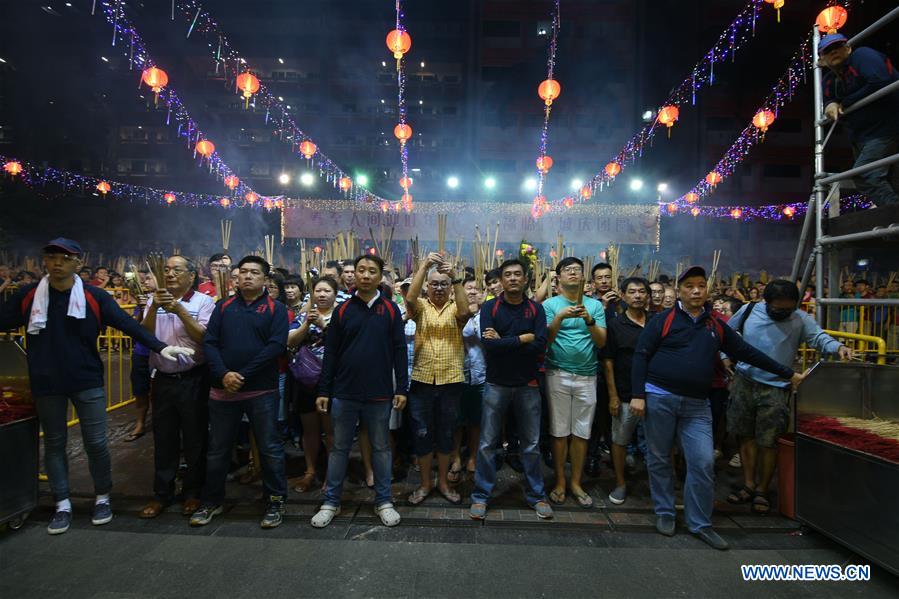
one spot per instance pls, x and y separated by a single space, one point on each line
878 185
224 422
525 404
344 416
90 406
691 421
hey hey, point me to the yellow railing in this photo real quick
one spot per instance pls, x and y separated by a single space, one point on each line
872 321
861 344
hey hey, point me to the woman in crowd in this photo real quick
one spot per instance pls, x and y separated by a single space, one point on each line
307 337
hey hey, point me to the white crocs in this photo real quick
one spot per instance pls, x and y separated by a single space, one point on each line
325 514
388 515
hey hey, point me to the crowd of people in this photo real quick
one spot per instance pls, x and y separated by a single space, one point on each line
470 368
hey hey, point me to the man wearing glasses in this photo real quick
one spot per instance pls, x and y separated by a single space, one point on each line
178 314
64 317
437 371
576 331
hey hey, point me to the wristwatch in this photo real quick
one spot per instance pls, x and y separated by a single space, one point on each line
591 323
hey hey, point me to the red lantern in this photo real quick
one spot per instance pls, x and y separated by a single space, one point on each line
248 84
406 202
169 198
672 208
713 178
317 249
399 42
668 116
398 206
544 163
307 149
831 19
225 202
372 252
268 204
549 90
251 197
694 211
205 148
568 202
763 119
385 206
103 187
406 183
586 192
736 213
691 197
345 184
402 132
156 79
499 253
612 169
13 167
789 211
279 204
778 4
231 182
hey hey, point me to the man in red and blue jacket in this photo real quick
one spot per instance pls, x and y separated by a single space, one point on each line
246 335
672 373
64 317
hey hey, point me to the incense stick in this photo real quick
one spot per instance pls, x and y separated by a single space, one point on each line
226 233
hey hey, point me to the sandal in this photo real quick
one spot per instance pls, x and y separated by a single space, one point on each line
583 498
133 436
305 483
418 495
740 496
452 496
760 503
557 497
152 509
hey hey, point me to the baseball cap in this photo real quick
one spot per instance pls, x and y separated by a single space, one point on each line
66 245
693 271
830 40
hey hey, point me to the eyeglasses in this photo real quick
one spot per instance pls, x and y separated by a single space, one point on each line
439 284
573 270
174 271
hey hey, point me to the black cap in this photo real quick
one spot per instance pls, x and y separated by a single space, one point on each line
66 245
693 271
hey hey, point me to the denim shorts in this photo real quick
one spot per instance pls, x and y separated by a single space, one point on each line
435 411
624 424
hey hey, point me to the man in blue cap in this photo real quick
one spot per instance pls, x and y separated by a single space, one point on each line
853 74
63 317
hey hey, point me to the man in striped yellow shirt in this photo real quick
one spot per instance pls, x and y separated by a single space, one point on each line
437 371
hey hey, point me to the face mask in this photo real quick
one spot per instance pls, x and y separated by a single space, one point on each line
779 314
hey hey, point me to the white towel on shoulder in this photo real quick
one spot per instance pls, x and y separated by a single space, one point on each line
38 319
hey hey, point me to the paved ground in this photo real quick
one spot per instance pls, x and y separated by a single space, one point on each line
436 552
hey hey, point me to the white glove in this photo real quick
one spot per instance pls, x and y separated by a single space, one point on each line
172 352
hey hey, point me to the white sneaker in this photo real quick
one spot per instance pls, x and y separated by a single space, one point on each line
325 514
735 462
388 515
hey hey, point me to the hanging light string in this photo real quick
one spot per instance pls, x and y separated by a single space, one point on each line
781 94
405 182
549 89
135 50
232 63
40 177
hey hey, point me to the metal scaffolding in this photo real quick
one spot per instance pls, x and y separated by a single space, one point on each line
826 194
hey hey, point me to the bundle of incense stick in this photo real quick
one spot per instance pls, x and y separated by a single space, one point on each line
441 233
156 265
891 278
560 247
716 257
132 281
493 256
226 234
678 270
634 271
588 268
304 263
176 251
654 267
31 265
612 256
416 255
220 282
458 257
735 280
269 248
539 271
119 264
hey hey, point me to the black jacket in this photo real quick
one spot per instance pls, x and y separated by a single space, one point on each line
509 363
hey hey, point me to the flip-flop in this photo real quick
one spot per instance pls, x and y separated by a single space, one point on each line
452 496
740 496
130 437
583 499
760 503
418 495
557 497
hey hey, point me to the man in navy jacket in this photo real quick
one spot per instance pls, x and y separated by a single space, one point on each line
674 364
64 317
246 335
853 74
365 367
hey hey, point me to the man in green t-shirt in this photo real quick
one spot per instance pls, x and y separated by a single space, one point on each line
577 330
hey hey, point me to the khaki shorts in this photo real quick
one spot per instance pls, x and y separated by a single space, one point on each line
758 411
572 403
